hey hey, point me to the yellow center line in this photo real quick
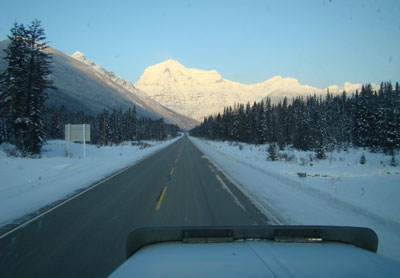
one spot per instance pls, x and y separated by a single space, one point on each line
161 198
172 171
176 161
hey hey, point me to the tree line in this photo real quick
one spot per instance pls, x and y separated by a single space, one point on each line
368 118
26 122
109 127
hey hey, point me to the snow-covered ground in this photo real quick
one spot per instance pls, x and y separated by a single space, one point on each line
335 191
29 184
306 191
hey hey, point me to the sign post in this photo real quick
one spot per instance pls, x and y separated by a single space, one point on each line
77 133
84 142
69 137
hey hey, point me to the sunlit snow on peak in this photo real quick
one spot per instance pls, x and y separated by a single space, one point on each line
78 55
199 93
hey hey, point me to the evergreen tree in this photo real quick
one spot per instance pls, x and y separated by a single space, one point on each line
22 87
272 152
54 130
12 83
267 124
387 123
365 116
367 119
38 70
132 124
363 159
105 124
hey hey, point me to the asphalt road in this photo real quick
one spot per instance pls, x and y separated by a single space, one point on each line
86 236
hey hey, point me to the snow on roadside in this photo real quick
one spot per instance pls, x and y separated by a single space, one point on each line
30 184
335 191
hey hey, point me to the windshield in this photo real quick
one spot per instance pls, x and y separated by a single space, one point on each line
118 115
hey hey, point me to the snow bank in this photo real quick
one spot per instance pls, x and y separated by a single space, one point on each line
299 189
30 184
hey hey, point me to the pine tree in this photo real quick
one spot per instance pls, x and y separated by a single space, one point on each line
365 132
22 87
272 152
396 116
12 82
367 119
133 133
363 159
105 124
260 120
267 124
393 162
38 69
54 125
386 117
130 124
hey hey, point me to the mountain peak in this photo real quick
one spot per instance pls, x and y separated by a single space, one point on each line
172 75
169 64
281 79
276 78
78 55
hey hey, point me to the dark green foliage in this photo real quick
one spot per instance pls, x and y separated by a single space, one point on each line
363 159
393 162
320 153
22 87
367 119
272 152
109 128
12 80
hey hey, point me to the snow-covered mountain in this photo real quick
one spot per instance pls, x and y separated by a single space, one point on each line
109 74
181 95
198 93
139 97
82 85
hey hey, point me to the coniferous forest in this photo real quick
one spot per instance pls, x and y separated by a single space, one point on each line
109 127
368 119
26 121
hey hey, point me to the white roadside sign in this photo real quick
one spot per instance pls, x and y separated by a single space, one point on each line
77 133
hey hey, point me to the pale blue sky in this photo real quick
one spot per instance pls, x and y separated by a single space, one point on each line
319 42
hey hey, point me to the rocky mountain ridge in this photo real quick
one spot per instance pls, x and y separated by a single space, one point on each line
141 98
84 86
198 93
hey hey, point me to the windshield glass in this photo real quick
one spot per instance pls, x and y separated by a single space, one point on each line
117 115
